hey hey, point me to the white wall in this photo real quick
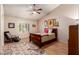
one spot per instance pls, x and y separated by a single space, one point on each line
0 22
63 29
65 14
67 10
77 20
15 31
1 27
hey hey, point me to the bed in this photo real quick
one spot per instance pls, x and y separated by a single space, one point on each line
42 39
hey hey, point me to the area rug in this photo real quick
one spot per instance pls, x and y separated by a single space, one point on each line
22 49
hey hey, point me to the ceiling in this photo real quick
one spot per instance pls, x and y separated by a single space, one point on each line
21 10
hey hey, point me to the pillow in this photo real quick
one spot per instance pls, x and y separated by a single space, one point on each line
50 30
9 35
46 30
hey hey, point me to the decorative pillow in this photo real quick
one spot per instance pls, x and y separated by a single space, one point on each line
9 35
46 30
50 30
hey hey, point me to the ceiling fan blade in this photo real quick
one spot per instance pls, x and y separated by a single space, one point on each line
40 9
38 12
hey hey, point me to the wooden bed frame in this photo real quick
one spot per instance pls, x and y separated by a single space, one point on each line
37 38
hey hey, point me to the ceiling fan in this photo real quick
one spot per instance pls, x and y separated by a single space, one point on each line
35 9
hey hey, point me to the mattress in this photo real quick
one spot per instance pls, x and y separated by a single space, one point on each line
43 34
48 37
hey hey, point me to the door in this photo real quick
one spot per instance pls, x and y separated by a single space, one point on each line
73 40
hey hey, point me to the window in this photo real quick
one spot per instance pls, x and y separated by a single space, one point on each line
23 27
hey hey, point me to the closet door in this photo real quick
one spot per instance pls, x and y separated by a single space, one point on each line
73 40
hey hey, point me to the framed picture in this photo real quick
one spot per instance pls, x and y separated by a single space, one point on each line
57 24
50 23
33 25
54 22
11 25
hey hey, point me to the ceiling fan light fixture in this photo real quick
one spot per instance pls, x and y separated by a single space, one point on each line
33 12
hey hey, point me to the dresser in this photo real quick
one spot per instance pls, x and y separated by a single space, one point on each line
73 42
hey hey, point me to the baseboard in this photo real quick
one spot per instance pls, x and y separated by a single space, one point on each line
64 42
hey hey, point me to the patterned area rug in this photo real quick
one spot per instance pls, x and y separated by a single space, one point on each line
21 48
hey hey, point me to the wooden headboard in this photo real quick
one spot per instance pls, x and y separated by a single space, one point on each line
54 30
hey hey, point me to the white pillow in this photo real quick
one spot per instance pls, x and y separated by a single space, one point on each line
50 31
9 35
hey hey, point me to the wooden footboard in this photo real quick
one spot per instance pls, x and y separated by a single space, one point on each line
36 39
